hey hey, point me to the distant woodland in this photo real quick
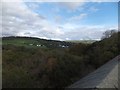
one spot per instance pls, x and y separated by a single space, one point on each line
37 63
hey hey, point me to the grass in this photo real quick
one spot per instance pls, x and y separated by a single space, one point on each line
22 42
36 42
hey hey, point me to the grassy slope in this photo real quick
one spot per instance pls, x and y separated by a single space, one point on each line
26 41
21 42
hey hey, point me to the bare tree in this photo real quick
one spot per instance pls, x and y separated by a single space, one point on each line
108 33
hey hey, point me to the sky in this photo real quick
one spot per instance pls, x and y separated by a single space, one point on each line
59 20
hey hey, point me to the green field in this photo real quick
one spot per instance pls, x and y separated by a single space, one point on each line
22 42
33 42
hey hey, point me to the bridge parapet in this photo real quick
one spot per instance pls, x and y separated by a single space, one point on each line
104 77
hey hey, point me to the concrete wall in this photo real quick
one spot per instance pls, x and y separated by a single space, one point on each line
104 77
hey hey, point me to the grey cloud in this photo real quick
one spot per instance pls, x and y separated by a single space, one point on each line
16 18
27 33
71 5
86 32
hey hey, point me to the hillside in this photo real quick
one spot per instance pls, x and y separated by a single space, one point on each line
52 66
99 52
35 42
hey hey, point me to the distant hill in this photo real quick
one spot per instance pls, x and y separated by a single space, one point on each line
35 42
81 41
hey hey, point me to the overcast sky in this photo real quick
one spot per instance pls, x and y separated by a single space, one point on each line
59 20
